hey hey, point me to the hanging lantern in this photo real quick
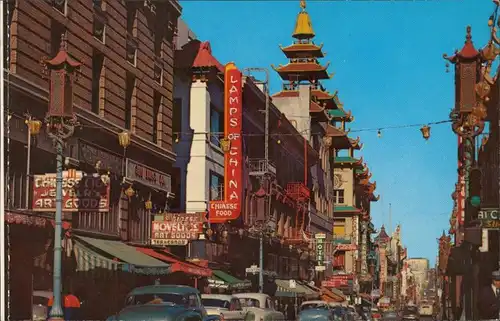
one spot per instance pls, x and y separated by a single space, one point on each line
148 204
124 139
129 192
426 132
225 145
105 179
379 133
33 126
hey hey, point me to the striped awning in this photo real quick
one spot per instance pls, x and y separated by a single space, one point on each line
87 260
284 290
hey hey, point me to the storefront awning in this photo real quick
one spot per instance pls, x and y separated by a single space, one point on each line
177 265
332 295
116 256
222 280
284 290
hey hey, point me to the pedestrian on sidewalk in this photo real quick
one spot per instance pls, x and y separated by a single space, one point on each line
489 299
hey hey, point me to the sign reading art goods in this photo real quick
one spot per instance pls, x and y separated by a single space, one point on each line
230 208
80 193
176 228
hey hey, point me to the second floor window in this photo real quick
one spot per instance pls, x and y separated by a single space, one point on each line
56 31
129 100
132 43
156 113
177 120
216 187
97 64
338 196
216 125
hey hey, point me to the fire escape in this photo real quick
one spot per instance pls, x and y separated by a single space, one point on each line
299 192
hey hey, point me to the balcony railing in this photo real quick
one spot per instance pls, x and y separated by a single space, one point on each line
260 167
298 191
341 239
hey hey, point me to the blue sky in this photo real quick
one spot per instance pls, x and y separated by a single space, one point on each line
387 60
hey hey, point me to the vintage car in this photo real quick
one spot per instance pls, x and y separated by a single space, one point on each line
259 307
228 307
163 303
316 310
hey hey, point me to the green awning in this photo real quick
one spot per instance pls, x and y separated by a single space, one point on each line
284 289
116 256
223 280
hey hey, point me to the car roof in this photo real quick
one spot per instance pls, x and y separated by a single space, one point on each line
226 297
175 289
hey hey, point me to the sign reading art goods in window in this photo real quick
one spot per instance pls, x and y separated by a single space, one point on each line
176 228
148 176
230 207
80 193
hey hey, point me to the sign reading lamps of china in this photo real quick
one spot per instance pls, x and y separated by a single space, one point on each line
230 207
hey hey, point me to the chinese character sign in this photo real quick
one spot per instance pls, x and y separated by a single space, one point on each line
230 208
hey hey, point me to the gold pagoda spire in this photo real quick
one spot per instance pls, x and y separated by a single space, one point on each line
303 26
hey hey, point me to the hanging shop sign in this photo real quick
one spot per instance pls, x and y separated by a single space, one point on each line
320 251
338 281
176 228
148 176
230 207
346 247
99 157
80 193
489 218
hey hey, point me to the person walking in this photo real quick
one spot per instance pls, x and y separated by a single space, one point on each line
489 299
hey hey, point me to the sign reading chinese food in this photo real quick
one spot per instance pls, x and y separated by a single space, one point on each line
80 193
176 228
230 208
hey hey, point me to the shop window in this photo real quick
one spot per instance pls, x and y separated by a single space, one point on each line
272 262
338 196
216 187
139 222
216 125
60 5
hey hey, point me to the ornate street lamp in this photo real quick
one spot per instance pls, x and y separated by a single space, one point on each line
225 145
61 122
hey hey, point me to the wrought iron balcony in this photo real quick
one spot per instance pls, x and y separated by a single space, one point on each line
260 167
341 239
298 191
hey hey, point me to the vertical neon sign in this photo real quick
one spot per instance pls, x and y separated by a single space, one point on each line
230 208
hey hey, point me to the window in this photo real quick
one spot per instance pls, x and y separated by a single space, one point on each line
156 111
338 196
216 125
129 96
60 5
339 227
216 187
132 43
272 262
97 64
177 120
338 260
193 301
56 31
158 42
99 22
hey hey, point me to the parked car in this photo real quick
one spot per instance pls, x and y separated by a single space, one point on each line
163 303
316 310
228 307
410 313
426 310
259 307
390 316
376 315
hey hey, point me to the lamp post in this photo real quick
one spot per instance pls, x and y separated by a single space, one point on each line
61 122
33 126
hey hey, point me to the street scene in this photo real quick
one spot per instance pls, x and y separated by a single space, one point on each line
251 160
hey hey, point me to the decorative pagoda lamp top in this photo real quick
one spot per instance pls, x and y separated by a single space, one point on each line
62 71
303 26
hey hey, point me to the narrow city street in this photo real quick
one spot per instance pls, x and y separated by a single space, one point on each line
250 160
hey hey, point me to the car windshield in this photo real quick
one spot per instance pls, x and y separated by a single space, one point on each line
390 314
308 306
249 302
410 310
215 303
159 298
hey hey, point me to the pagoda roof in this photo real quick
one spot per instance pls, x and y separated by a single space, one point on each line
349 161
332 131
303 50
382 236
63 57
322 94
319 112
303 26
197 54
467 52
307 70
363 172
341 114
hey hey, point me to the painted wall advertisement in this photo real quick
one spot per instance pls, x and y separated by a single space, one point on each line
320 251
230 208
176 228
81 193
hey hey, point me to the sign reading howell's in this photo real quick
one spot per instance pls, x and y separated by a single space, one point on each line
176 229
230 208
490 218
79 193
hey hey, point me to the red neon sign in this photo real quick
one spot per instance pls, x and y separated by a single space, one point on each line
230 208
